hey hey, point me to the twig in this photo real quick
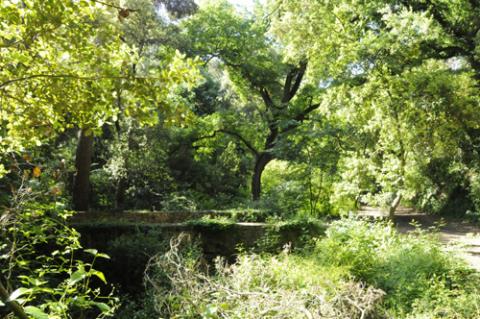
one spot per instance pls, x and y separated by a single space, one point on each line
16 308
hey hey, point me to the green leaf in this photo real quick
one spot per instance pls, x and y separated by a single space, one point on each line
93 252
103 306
100 255
76 277
35 312
99 275
17 293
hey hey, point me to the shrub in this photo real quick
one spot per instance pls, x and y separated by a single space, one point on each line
132 251
358 270
178 202
137 307
300 233
42 264
283 286
414 270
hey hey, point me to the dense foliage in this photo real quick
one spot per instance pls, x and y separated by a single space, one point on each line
289 110
359 270
43 265
381 111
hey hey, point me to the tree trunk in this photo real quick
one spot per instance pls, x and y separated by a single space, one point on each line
393 206
261 162
119 204
83 161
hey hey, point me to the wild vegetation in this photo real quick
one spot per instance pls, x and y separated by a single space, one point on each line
285 114
358 270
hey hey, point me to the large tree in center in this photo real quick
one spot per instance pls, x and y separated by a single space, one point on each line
274 97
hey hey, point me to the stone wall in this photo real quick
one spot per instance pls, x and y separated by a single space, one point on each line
131 244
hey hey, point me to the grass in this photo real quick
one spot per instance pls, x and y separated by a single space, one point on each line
357 270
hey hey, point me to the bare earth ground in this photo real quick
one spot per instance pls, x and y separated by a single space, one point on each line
455 234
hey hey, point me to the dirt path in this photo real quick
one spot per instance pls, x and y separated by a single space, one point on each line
456 234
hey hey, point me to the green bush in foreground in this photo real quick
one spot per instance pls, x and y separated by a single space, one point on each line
419 277
283 286
45 273
359 270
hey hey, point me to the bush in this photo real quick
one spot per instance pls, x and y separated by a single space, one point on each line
283 286
137 308
358 270
418 276
178 202
296 190
132 251
42 264
300 233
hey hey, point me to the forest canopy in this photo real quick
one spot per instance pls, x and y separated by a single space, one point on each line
378 98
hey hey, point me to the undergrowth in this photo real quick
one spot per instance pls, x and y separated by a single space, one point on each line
420 279
282 286
357 270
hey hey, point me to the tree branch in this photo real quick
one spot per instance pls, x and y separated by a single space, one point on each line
271 138
16 308
267 99
298 79
241 138
234 134
111 5
299 118
288 86
74 77
296 75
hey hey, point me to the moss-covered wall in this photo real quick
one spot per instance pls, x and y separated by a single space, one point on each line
130 245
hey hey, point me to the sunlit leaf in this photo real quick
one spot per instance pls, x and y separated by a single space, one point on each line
18 292
93 252
100 275
36 313
76 277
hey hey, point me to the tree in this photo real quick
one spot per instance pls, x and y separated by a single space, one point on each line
274 96
54 77
151 39
389 46
62 64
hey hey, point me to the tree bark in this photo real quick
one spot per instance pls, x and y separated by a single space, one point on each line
83 161
393 206
261 162
119 204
